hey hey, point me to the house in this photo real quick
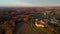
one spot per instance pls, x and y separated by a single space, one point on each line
39 23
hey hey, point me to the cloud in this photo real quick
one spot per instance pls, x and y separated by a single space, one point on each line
47 5
16 4
26 4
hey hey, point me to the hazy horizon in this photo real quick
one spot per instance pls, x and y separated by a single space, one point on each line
29 3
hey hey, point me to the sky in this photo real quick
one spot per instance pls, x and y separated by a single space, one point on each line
31 3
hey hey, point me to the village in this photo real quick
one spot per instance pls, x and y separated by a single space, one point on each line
30 20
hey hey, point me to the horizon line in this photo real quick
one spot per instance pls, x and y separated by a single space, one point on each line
27 6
